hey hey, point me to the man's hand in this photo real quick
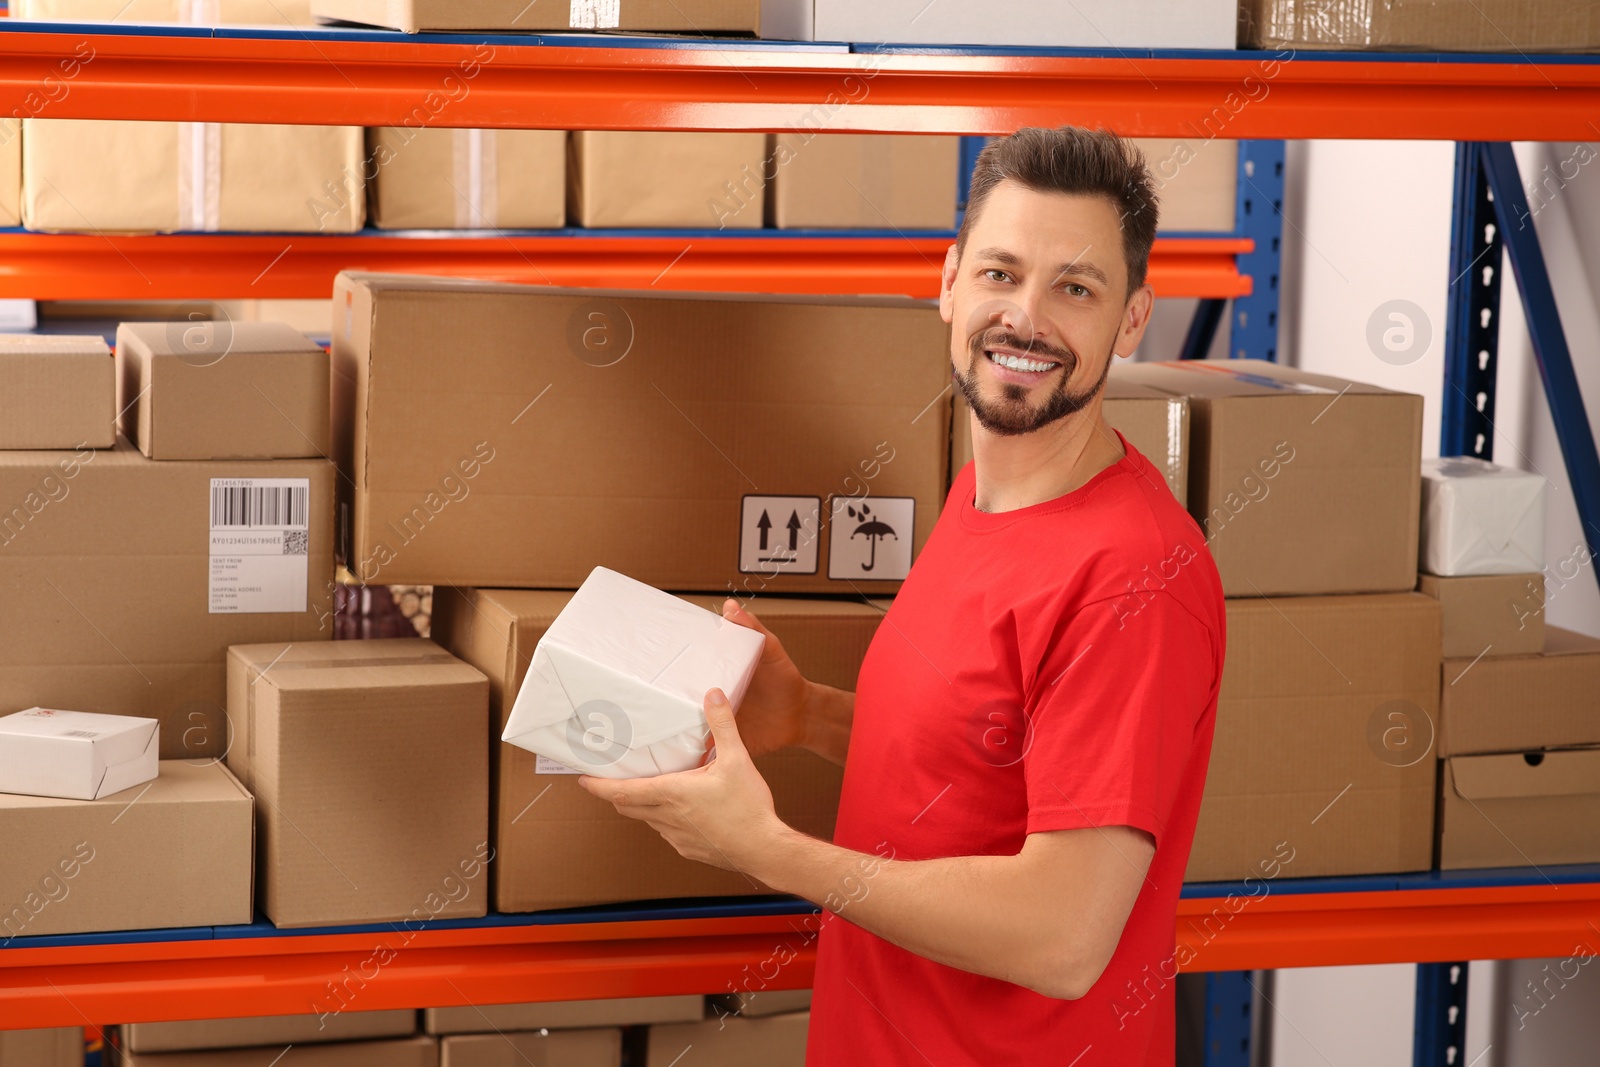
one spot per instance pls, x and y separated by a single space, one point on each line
773 712
720 813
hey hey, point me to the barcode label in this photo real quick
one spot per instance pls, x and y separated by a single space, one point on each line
260 545
80 733
258 505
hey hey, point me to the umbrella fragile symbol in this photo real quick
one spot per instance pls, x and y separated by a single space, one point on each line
872 529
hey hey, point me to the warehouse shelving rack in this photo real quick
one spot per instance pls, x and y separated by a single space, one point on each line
365 78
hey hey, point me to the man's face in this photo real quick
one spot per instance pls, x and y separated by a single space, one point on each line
1037 303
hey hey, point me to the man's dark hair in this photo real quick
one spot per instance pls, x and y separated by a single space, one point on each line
1081 162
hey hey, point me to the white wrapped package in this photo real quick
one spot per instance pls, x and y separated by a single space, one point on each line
1479 518
76 755
617 683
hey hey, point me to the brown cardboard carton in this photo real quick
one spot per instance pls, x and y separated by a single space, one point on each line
409 1052
642 432
172 852
555 845
696 17
225 390
1515 703
371 762
56 391
190 176
1421 25
753 1004
666 178
1519 810
211 13
1323 748
1155 423
1304 483
878 181
1489 615
268 1030
461 179
55 1047
11 170
122 597
1196 179
568 1048
775 1041
563 1014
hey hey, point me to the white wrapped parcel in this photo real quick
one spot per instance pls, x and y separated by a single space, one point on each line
1480 518
617 682
76 755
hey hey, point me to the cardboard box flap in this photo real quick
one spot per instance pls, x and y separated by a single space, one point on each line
1572 772
374 662
34 344
214 339
1227 378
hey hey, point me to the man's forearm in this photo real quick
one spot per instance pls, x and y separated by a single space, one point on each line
829 713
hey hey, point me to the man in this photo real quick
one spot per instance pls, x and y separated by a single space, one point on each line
1028 739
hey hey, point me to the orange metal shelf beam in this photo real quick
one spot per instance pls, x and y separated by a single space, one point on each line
181 266
128 982
321 78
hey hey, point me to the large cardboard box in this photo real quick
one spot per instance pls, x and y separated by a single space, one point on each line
268 1030
1519 809
1196 179
568 1048
123 580
409 1052
56 391
222 390
11 165
1155 423
172 852
876 180
563 1014
54 1047
697 17
1421 25
667 178
371 762
1323 749
209 13
555 845
1044 23
775 1041
172 176
1489 615
468 179
1515 703
1304 483
647 433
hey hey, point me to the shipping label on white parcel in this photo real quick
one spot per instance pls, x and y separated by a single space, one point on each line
260 544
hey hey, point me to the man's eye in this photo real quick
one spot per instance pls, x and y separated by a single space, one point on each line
995 275
1077 290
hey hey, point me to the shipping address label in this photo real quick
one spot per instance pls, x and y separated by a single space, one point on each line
260 545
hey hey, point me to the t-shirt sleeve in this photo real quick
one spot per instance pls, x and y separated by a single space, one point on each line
1113 715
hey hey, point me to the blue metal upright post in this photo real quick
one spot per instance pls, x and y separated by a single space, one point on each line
1259 216
1472 326
1227 1019
1441 1015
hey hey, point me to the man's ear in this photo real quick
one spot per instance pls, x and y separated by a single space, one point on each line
1135 320
947 284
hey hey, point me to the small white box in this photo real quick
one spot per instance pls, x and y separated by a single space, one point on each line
617 683
76 755
1479 518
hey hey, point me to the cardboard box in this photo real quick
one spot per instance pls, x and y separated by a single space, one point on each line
563 1014
371 762
1323 751
468 179
1519 809
1421 25
1042 23
1155 423
558 847
191 176
878 181
124 589
617 683
766 1002
268 1030
776 1041
11 169
228 390
173 852
654 452
75 755
697 17
208 13
56 391
1304 483
410 1052
1480 518
56 1047
1493 615
569 1048
666 178
1517 703
1196 178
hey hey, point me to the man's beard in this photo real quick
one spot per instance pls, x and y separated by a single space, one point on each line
1012 415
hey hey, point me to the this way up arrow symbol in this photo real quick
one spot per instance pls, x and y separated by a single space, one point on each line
794 529
764 524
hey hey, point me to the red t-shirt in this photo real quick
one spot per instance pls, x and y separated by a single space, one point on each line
1050 668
